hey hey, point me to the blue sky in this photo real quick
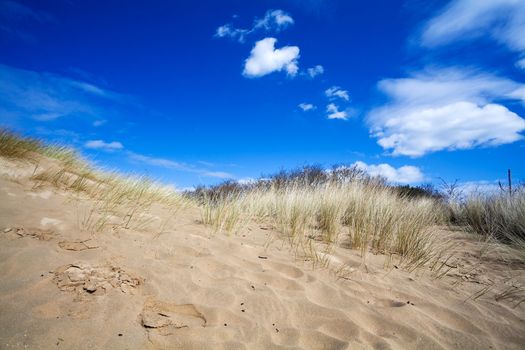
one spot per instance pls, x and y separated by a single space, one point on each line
195 92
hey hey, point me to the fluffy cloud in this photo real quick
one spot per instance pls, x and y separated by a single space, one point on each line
315 71
273 20
265 59
404 175
446 109
105 146
334 112
502 20
460 125
306 107
336 91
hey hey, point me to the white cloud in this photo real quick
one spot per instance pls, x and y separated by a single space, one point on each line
105 146
229 31
460 125
315 71
306 107
446 110
469 188
502 20
265 59
273 20
247 181
334 112
405 175
336 91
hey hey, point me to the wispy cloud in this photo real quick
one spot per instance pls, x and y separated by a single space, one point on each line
315 71
158 162
104 146
337 92
446 109
273 20
404 175
306 107
502 20
333 112
265 59
46 96
229 31
217 174
174 165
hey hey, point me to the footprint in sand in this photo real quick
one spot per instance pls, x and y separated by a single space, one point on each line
42 235
165 318
79 245
86 279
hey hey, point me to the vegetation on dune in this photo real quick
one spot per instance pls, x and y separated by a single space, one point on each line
311 206
15 146
345 206
116 199
499 216
342 206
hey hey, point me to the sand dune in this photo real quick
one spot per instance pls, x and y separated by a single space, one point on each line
186 288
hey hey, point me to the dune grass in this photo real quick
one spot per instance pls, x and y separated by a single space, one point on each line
499 216
354 211
14 146
122 200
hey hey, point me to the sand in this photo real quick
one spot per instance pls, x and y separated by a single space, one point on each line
188 288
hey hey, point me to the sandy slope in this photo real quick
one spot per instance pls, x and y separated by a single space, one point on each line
185 288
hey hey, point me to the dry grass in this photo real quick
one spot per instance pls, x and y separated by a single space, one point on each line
101 197
123 201
499 216
362 215
14 146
